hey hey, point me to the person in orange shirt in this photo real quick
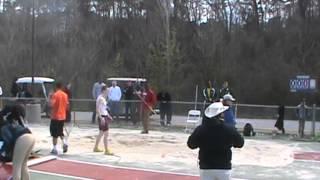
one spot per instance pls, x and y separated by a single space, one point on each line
59 105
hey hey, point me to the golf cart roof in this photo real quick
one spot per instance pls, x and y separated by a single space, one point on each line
127 79
36 80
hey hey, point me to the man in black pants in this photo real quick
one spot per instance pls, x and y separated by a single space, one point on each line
164 99
128 97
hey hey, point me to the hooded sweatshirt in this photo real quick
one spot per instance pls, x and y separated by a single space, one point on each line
215 140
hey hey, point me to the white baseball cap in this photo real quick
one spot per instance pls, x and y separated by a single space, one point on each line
215 109
228 97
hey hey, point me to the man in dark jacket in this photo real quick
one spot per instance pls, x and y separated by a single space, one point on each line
225 90
215 140
128 97
164 100
279 123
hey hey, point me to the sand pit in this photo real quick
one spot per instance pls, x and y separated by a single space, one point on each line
263 153
163 149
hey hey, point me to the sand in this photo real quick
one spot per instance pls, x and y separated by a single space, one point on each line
158 149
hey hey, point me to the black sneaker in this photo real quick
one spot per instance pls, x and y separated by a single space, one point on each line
65 148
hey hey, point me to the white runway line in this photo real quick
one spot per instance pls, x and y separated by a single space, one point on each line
60 175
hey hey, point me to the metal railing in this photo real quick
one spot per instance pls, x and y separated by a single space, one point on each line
250 111
179 108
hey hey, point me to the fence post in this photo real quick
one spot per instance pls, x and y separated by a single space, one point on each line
236 111
313 120
196 98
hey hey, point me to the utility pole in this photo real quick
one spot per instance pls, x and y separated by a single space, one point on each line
166 6
32 48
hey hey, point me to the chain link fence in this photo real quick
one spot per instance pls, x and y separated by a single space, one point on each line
82 110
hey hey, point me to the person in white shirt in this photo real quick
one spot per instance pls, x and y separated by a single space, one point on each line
104 119
114 97
96 91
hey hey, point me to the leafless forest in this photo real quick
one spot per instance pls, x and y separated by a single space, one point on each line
257 45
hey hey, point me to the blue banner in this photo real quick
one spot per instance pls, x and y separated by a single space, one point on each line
303 84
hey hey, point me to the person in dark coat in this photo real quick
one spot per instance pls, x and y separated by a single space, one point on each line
215 139
279 123
14 88
165 108
225 90
128 93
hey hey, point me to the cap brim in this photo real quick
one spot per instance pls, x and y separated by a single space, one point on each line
214 111
230 99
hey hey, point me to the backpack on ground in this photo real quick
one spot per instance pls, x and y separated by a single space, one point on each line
248 130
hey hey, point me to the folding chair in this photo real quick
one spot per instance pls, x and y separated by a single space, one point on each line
194 118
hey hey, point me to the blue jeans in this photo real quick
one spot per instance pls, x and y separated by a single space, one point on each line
114 108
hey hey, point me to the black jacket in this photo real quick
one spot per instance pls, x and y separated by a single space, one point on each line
11 129
215 140
164 100
128 93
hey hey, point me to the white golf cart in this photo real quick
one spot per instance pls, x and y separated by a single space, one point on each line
42 87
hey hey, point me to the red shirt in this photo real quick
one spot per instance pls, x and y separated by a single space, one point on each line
150 99
59 105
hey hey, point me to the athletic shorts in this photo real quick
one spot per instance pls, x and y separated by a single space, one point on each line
104 126
56 128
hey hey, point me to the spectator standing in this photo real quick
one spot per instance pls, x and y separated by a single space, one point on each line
148 102
137 111
14 88
114 97
302 114
225 90
215 139
128 97
96 91
165 107
229 114
59 106
209 94
279 123
104 119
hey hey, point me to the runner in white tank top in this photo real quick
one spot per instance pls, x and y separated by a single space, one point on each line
103 119
101 105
